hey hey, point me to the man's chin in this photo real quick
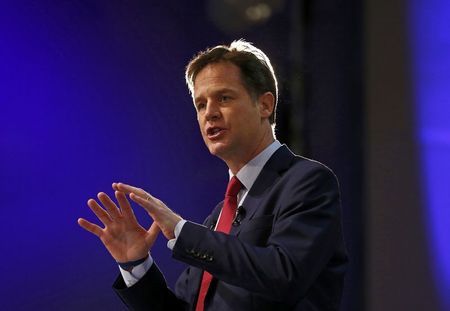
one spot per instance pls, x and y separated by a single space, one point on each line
217 149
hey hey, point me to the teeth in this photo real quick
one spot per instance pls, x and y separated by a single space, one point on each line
214 131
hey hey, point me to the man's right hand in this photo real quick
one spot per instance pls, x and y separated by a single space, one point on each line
122 235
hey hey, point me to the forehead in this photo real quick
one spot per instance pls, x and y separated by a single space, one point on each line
216 76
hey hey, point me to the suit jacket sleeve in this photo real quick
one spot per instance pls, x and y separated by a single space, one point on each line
150 293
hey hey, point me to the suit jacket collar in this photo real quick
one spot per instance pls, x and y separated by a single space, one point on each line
279 162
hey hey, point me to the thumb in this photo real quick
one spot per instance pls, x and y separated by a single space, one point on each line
152 234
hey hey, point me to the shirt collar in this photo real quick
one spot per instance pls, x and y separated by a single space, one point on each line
250 171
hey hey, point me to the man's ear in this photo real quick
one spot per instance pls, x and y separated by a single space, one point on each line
266 103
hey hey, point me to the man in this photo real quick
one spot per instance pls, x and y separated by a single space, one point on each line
275 243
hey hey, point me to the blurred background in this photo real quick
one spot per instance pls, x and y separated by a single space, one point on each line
93 92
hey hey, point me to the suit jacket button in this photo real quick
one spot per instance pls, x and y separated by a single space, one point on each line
209 258
204 256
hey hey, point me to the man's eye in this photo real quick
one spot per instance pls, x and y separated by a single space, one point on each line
200 106
225 98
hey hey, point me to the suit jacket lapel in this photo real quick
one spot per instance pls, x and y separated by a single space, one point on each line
279 162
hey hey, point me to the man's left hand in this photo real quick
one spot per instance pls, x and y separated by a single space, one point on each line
164 217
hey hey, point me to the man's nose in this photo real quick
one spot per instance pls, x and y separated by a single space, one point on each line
212 111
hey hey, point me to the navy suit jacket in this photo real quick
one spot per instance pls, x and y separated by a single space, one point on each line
287 252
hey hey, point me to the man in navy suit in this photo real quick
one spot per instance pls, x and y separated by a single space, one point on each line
284 249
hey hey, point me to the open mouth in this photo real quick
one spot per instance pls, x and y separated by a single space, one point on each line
214 132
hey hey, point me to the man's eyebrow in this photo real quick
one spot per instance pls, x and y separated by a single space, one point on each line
217 91
225 89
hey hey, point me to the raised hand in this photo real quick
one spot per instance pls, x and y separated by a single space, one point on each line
163 216
122 235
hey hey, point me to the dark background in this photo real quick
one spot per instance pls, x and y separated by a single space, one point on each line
93 92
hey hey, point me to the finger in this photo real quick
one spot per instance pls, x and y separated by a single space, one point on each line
114 186
146 204
89 226
125 206
101 214
110 206
130 189
153 234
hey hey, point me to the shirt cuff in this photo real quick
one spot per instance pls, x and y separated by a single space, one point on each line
132 277
178 227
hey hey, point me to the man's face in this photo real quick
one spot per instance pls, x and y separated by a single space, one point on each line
231 121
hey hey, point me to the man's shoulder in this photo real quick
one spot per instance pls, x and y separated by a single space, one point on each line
310 164
297 163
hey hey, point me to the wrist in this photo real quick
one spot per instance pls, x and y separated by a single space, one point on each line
129 265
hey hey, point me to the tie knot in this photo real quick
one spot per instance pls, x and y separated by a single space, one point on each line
234 186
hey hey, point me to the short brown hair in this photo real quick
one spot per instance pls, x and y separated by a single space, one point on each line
256 70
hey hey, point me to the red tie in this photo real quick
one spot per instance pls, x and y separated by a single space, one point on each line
224 225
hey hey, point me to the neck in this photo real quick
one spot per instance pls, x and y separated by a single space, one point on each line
236 163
